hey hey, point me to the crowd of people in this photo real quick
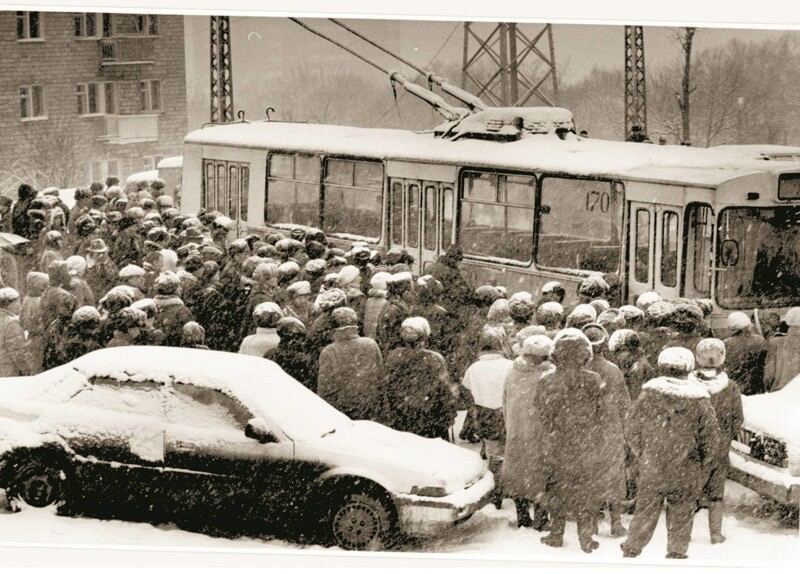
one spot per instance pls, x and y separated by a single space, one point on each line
580 408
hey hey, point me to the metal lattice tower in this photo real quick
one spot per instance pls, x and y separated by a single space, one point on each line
221 70
496 66
635 90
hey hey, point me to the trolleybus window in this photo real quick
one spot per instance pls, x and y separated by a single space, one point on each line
758 257
700 234
580 224
496 215
413 216
642 248
447 217
669 249
353 195
397 213
293 189
430 217
209 199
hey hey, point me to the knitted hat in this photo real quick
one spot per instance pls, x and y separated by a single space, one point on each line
85 314
710 353
537 346
571 348
380 280
415 328
623 340
677 358
646 299
344 317
738 321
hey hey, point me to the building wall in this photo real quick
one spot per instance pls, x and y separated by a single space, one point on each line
62 146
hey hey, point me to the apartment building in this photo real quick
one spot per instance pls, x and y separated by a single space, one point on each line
88 95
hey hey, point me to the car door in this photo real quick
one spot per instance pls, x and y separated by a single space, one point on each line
212 467
116 429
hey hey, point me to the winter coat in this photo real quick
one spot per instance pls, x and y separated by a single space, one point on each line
394 313
14 357
418 393
292 356
120 340
49 302
783 359
727 402
441 326
745 358
128 248
468 345
373 308
55 343
47 257
457 292
523 429
320 334
20 220
636 374
9 272
82 291
209 309
100 275
78 344
575 422
654 341
259 343
258 294
351 374
616 392
31 320
672 431
171 316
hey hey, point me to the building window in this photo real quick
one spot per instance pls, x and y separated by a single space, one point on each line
31 103
96 98
29 26
147 25
101 169
86 25
353 195
292 189
150 95
580 224
496 215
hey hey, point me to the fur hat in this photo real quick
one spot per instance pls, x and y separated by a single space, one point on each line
611 320
129 271
498 311
529 331
348 274
146 305
623 340
521 297
659 311
485 295
631 313
571 348
331 299
549 312
738 321
793 317
130 318
287 326
299 288
710 353
288 269
596 334
593 287
86 313
646 299
380 280
415 328
76 265
315 267
267 308
167 283
36 282
402 277
344 317
581 315
600 305
677 358
552 287
537 346
8 295
264 272
223 222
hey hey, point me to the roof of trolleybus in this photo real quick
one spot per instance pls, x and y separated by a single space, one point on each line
703 167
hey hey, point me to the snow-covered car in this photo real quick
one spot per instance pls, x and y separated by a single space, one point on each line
226 437
766 455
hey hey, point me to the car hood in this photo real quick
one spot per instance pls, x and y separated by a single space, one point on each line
442 463
775 415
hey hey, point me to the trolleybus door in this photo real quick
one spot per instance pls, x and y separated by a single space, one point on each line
641 239
414 219
668 251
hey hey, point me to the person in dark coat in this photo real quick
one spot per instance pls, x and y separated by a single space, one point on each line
400 288
376 301
6 204
457 292
20 220
429 292
58 279
320 333
418 393
576 423
15 360
351 373
745 354
292 353
101 272
523 430
57 332
171 313
727 402
673 432
128 325
129 245
263 290
82 333
210 306
466 341
615 391
194 336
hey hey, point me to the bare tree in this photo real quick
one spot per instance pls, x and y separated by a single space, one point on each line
685 38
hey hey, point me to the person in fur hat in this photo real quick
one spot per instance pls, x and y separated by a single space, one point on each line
616 393
77 285
15 360
727 402
523 429
351 372
82 333
550 315
429 292
292 353
673 433
265 318
128 325
31 316
465 342
419 397
457 290
194 336
746 354
299 303
57 331
376 301
171 313
783 360
320 333
575 421
401 291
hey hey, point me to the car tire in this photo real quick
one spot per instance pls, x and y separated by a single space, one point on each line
36 484
360 521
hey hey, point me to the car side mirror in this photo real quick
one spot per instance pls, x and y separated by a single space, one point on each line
258 429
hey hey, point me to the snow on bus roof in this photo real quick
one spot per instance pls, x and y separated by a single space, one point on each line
260 384
171 162
579 156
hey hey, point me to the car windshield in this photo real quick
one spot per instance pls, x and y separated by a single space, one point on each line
758 257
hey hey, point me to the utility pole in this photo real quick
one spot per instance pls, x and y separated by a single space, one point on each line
493 67
221 70
635 88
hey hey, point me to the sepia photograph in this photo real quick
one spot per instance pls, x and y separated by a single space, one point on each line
335 284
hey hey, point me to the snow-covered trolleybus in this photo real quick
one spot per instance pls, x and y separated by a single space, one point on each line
527 199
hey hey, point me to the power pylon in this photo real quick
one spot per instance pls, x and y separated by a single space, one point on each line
507 61
635 89
221 70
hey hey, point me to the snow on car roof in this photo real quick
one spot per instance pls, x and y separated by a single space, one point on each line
147 176
591 157
260 384
775 414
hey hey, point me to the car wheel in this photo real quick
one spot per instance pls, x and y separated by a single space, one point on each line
37 485
360 522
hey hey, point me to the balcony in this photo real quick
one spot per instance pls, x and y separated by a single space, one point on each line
126 51
128 129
